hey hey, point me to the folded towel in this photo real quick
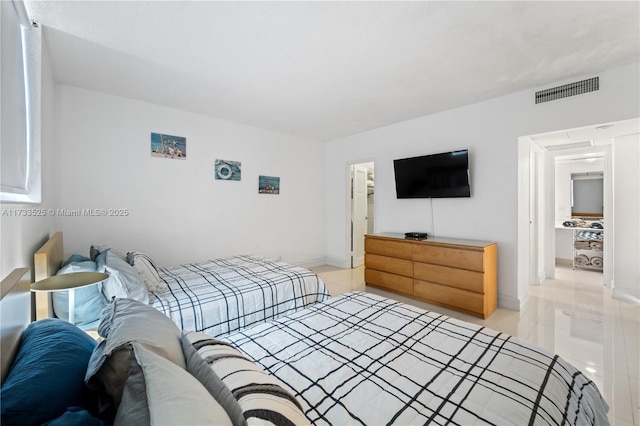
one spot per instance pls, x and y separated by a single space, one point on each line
582 245
597 261
596 245
573 223
581 259
589 235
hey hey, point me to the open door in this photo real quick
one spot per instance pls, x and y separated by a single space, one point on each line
358 213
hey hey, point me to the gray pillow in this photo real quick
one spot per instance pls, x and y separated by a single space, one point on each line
210 380
123 322
147 270
159 392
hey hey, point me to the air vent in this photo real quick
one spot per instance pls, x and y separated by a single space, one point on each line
566 90
571 145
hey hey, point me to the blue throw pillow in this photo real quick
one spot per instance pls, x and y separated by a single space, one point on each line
76 416
99 255
88 301
74 258
47 374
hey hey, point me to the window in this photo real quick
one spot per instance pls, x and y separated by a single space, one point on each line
20 53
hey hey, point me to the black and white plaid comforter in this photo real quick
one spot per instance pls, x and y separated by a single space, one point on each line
224 295
363 359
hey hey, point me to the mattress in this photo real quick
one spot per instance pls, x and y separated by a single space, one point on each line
224 295
364 359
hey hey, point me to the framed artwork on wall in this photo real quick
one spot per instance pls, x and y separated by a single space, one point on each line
228 170
168 146
268 185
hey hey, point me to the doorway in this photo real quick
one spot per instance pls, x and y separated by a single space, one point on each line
580 187
586 143
554 157
361 208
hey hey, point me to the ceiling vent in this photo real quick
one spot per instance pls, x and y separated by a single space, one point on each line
571 145
566 90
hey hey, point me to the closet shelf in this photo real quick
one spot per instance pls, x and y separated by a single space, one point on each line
588 246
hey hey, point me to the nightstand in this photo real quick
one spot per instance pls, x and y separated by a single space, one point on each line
69 282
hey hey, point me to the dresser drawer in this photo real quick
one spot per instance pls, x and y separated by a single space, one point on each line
452 277
386 247
449 256
389 264
389 281
460 299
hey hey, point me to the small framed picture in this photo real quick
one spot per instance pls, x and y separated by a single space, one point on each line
228 170
268 185
168 146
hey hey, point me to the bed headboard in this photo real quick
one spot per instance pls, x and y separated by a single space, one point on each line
47 261
15 314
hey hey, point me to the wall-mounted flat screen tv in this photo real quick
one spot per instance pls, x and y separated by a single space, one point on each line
444 175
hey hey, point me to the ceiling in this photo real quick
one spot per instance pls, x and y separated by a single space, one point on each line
584 137
325 70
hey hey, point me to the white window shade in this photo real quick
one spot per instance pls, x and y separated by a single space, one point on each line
20 80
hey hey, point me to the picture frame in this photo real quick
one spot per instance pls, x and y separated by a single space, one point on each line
268 185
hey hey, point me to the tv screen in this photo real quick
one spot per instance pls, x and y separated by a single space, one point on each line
444 175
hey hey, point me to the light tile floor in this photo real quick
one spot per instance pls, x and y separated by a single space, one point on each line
572 315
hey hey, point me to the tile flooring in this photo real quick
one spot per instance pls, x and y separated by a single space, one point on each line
572 315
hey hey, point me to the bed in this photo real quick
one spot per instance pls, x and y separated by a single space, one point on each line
223 295
364 359
15 314
216 296
355 359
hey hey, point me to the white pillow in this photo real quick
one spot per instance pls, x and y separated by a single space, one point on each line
147 270
124 282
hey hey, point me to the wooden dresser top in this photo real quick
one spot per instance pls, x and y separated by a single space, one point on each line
435 240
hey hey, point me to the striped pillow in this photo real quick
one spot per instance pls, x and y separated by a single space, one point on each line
261 396
147 270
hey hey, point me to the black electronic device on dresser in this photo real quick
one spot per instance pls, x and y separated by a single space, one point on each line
416 235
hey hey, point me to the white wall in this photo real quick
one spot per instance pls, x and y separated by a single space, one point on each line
626 221
178 212
490 130
23 235
564 244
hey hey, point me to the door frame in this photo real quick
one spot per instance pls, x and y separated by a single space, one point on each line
525 252
349 232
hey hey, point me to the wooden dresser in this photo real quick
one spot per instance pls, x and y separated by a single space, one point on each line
454 273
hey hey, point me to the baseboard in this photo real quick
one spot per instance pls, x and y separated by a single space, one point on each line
625 295
512 303
338 262
310 263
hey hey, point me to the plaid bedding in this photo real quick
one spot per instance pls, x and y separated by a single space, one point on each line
224 295
363 359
